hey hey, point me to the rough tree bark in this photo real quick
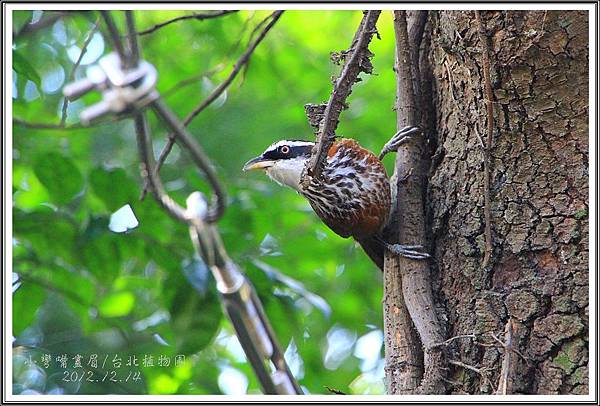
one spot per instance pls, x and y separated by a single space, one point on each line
530 303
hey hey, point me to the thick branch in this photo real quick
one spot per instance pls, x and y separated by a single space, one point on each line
356 61
415 35
416 283
194 16
403 355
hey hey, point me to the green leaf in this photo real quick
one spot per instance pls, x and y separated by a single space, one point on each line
22 66
117 304
113 187
26 300
50 235
59 175
102 258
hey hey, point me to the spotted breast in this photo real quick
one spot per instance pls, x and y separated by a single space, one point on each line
353 195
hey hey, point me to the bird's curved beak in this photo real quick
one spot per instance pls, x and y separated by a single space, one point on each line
257 163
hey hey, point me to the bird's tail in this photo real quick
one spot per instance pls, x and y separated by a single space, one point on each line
374 248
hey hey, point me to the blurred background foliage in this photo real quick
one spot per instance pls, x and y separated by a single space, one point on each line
80 289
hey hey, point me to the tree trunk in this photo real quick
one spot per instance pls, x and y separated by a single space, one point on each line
526 312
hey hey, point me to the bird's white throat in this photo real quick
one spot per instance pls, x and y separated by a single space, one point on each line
287 172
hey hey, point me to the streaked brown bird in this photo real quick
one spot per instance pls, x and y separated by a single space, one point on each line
352 196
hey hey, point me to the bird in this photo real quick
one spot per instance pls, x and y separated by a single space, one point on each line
352 196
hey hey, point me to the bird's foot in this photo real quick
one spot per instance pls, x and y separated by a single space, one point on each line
401 137
408 251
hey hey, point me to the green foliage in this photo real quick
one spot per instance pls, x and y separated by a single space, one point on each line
81 289
59 175
22 66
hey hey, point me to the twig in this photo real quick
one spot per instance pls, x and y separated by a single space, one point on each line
51 126
333 390
478 136
220 66
45 21
27 277
503 345
451 81
45 126
353 66
86 43
466 366
480 372
244 59
215 94
489 96
191 80
194 16
504 383
451 339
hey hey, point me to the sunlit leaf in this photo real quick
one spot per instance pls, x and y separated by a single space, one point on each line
117 304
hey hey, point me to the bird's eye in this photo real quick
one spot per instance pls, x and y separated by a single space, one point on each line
285 149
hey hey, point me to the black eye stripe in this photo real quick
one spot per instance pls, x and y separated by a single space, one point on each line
288 152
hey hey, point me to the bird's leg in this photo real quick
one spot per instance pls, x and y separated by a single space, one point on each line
402 136
408 251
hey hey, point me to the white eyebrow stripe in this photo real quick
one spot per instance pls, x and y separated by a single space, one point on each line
278 144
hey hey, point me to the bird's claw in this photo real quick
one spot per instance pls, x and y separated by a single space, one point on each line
402 136
408 251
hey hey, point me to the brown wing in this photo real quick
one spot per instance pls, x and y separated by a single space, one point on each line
353 199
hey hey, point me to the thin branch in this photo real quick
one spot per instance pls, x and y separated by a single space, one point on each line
58 126
503 345
221 66
466 366
132 41
451 81
43 283
504 383
481 372
334 391
244 59
357 62
45 126
191 80
47 20
194 16
489 97
113 33
86 43
451 339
